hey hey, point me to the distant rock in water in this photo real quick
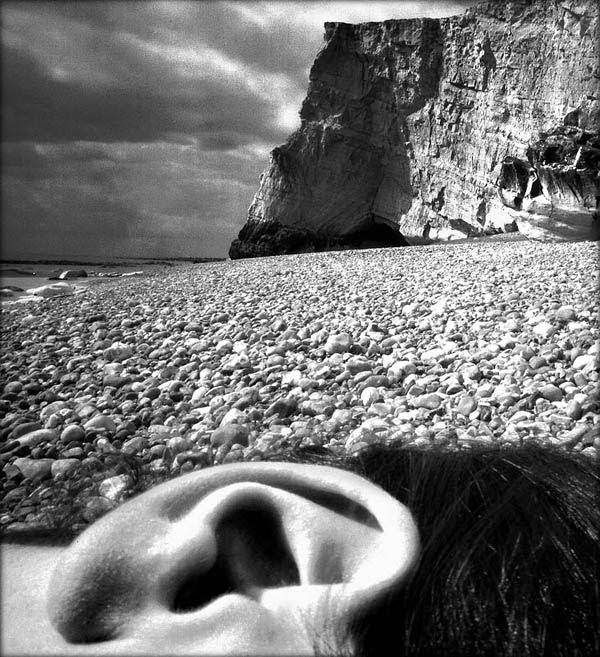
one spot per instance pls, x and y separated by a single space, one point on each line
73 273
14 271
426 129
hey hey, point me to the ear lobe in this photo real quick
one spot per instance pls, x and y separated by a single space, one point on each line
288 538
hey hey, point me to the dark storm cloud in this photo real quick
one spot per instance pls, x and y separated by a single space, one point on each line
220 25
124 199
138 72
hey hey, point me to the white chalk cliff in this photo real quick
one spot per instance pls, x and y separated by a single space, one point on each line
425 129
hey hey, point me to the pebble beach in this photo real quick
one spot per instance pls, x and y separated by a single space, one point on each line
444 346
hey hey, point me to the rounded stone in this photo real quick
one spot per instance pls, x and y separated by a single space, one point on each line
338 343
34 438
584 362
282 407
431 401
551 392
375 381
234 416
537 362
544 329
74 452
13 387
115 381
566 314
574 410
134 445
114 488
118 352
230 434
101 422
24 428
466 405
369 395
72 432
178 444
35 469
62 467
357 364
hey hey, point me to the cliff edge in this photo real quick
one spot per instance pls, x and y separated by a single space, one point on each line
427 129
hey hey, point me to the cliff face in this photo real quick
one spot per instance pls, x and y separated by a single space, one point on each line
433 129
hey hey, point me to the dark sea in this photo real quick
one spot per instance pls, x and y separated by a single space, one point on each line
34 270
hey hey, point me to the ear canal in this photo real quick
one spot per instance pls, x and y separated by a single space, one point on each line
253 543
252 554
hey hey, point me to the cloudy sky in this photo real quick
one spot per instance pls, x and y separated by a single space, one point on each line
141 128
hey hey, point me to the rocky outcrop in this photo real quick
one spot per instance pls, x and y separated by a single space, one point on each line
555 193
426 129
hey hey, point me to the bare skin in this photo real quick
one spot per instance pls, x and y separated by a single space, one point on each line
340 543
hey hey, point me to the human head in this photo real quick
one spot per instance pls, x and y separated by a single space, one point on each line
505 561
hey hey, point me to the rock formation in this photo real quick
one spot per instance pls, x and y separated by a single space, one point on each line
425 129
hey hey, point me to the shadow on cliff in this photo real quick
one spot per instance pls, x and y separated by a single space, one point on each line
269 239
343 177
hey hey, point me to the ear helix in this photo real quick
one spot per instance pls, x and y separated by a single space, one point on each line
260 530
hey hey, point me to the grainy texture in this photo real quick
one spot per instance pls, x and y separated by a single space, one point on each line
407 123
488 341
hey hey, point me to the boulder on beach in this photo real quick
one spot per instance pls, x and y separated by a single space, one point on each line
53 290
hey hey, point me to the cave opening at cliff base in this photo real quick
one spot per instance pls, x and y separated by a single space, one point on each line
376 234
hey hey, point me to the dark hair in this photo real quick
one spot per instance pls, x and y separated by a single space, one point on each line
510 562
39 535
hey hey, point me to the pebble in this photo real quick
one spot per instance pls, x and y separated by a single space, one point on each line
72 432
572 437
369 395
356 364
118 351
574 410
134 445
431 401
178 444
34 469
466 405
63 467
235 360
73 452
24 428
101 422
537 362
544 329
234 416
114 488
282 407
230 434
566 314
585 362
551 392
34 438
338 343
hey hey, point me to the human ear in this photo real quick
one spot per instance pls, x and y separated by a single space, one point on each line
243 558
